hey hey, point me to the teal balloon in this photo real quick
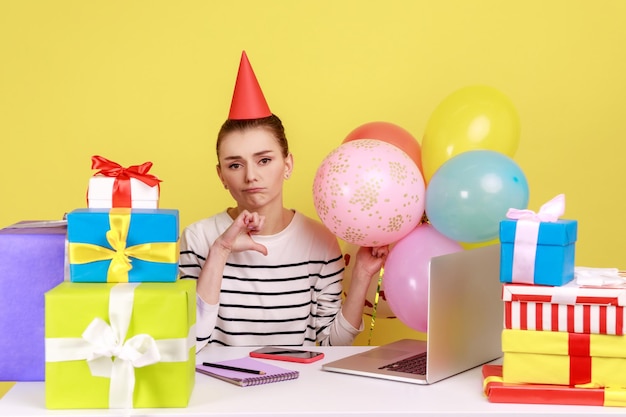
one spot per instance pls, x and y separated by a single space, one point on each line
470 194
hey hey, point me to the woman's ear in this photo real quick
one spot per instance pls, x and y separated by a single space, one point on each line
218 169
288 165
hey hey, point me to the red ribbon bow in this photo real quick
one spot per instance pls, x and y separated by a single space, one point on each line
121 187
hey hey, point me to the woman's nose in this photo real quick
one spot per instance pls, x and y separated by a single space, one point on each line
250 173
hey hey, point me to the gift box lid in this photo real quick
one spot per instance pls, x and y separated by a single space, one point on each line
560 233
101 188
163 310
563 343
39 227
154 225
570 294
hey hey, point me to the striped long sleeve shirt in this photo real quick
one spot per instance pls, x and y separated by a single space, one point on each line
291 297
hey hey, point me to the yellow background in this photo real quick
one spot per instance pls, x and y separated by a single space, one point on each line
151 80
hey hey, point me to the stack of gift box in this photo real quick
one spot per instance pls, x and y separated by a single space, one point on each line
119 331
563 339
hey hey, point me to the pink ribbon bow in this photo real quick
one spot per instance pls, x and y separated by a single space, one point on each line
549 212
527 235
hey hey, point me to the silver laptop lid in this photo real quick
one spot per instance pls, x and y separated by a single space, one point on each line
465 311
465 322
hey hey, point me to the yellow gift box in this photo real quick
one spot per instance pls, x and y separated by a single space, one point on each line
127 345
562 358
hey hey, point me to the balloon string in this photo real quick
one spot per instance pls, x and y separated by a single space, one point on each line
376 297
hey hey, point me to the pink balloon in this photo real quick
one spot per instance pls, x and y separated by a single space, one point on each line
406 271
369 193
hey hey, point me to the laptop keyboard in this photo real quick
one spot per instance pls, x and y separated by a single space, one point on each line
411 365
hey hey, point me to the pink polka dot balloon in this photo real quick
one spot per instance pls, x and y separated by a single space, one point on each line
369 193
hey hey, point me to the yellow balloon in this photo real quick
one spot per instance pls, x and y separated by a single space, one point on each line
474 245
474 117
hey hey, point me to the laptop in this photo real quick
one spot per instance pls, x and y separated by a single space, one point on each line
465 321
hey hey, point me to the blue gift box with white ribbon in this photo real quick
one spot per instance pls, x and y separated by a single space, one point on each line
552 258
538 248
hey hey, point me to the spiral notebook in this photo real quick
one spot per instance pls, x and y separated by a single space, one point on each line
273 373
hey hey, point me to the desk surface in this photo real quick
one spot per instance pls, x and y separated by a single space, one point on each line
315 392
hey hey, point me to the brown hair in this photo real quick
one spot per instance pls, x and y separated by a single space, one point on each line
271 123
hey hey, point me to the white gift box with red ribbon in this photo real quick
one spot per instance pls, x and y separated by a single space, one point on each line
569 308
116 186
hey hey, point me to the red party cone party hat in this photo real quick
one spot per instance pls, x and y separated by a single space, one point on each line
248 100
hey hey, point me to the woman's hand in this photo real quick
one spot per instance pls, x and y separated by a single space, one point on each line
369 260
238 236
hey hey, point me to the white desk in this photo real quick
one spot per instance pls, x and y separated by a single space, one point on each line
314 393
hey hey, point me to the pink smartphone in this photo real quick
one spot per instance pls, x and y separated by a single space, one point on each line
287 354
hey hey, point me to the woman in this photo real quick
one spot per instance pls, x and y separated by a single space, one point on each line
268 275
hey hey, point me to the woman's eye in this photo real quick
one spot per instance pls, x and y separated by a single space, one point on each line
265 161
234 166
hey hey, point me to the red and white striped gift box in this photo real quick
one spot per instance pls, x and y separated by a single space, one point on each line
569 308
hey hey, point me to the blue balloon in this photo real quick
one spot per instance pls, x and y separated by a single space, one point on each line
470 193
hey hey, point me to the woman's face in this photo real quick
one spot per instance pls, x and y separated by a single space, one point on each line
252 167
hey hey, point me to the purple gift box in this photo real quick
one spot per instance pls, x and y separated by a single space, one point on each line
32 261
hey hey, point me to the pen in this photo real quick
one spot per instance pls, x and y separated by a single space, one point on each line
233 368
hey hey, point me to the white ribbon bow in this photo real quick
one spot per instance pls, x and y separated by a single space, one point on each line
112 358
110 355
549 212
598 276
527 235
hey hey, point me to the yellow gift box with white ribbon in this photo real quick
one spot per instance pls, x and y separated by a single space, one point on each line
562 358
127 345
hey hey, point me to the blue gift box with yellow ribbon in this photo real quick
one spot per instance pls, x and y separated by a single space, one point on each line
123 245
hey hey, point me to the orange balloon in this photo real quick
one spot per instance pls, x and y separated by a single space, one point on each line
392 134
